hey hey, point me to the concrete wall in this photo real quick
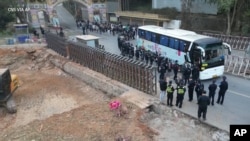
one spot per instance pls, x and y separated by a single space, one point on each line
92 78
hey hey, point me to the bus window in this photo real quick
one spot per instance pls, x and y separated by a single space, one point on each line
176 44
171 44
208 55
141 33
148 35
153 37
214 54
164 40
157 38
182 45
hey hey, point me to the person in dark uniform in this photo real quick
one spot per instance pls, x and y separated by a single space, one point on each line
137 54
195 73
212 88
199 89
186 73
170 91
163 87
146 57
61 33
162 71
175 69
203 102
159 62
191 86
180 94
151 59
223 88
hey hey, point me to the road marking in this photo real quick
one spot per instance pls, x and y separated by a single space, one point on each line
239 94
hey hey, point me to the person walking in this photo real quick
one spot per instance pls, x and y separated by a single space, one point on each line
223 88
203 102
163 87
170 91
180 94
162 71
191 86
212 88
175 69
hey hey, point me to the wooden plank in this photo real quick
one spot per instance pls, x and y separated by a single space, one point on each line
138 98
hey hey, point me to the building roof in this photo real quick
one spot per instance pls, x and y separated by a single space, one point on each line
86 37
177 33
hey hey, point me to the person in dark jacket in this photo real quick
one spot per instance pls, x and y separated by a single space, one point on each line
163 87
195 73
137 54
151 59
212 88
199 89
186 74
223 88
146 57
170 91
159 62
162 71
191 86
175 69
203 102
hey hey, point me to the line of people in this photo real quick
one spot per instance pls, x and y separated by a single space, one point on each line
202 99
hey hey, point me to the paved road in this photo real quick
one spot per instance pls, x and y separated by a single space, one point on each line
237 100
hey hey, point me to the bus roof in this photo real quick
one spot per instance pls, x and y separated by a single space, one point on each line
177 33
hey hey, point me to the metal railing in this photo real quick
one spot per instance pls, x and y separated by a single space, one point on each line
56 43
237 66
128 71
236 42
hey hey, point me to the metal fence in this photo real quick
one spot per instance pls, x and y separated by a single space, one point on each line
56 43
128 71
236 42
238 66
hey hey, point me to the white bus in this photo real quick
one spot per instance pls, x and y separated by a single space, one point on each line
185 46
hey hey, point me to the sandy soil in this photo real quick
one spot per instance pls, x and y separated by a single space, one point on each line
53 106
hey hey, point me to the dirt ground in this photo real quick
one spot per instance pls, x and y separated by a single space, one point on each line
53 106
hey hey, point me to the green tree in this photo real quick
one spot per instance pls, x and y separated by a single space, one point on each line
21 15
5 15
186 6
232 8
227 7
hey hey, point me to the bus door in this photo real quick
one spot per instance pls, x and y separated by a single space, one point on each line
197 54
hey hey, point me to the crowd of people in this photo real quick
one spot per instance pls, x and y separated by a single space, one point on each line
194 85
189 81
128 30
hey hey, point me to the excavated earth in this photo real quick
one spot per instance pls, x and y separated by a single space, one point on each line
52 105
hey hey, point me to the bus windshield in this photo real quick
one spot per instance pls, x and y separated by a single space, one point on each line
214 53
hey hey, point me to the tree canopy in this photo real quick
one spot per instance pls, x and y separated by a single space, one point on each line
237 14
5 15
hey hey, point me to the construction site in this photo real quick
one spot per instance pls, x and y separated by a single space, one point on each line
53 104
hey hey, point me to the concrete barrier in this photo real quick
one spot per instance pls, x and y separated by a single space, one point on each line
92 78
